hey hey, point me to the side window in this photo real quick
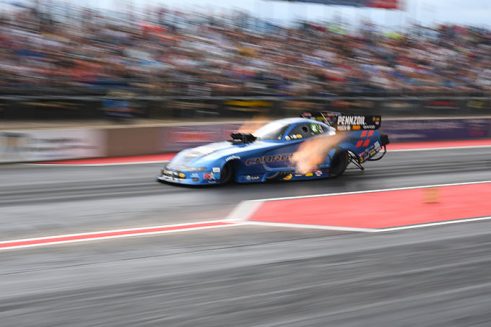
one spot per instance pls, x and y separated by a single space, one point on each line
302 131
316 129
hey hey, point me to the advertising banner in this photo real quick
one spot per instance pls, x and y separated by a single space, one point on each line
384 4
442 104
436 129
42 145
381 4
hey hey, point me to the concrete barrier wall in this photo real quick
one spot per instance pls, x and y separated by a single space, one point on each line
133 141
51 144
407 130
42 145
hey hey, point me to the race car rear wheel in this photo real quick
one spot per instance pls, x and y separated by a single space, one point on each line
227 173
339 163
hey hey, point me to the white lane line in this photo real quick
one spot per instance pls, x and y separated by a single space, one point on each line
111 234
371 191
244 210
307 226
365 230
441 148
440 223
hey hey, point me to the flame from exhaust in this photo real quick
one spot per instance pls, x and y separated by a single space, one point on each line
313 152
252 125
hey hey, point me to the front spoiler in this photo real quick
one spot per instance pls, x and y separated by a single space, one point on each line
184 181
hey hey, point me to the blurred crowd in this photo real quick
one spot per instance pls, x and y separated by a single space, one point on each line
174 53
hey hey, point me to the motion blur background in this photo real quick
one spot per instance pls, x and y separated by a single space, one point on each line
107 78
66 63
84 60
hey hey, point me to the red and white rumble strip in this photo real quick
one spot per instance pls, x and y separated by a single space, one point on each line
425 206
110 234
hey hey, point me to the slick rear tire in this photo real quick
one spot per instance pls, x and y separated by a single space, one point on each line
339 163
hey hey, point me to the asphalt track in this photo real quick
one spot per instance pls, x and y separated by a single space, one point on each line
238 276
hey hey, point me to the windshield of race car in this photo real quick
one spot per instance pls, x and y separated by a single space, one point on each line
271 131
276 130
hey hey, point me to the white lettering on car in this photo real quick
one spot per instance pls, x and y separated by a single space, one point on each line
351 120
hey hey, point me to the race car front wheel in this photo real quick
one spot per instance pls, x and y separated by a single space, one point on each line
227 173
339 163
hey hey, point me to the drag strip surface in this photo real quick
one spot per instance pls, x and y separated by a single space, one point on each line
26 184
48 200
255 277
247 276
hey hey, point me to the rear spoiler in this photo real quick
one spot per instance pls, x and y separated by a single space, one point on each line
345 122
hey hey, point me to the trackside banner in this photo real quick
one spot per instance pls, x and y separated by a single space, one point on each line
381 4
46 145
175 138
43 145
436 129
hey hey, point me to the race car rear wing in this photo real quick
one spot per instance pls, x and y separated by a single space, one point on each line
345 122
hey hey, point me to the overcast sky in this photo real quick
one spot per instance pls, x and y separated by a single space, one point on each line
469 12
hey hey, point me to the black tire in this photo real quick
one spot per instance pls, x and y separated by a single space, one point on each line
227 173
339 163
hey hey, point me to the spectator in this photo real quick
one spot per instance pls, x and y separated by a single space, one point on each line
170 53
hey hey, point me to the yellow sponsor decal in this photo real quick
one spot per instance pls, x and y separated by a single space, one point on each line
288 177
476 104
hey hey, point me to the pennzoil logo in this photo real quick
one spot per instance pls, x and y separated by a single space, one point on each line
269 159
351 120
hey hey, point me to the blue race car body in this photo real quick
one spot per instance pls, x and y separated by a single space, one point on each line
266 154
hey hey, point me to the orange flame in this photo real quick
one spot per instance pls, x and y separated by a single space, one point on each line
313 152
252 125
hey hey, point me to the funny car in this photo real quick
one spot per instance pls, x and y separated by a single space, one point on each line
266 154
